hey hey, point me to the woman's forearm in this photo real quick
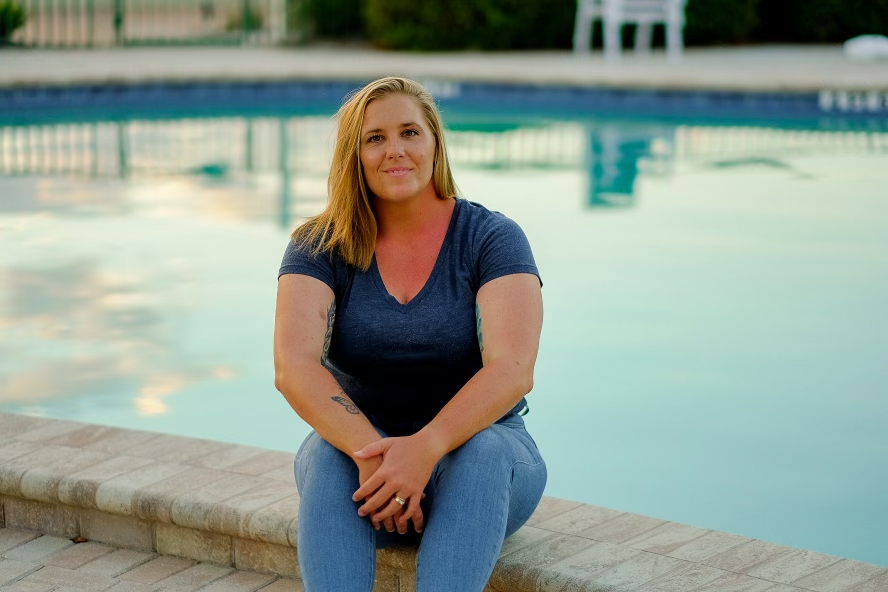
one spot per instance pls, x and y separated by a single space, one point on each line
490 394
316 397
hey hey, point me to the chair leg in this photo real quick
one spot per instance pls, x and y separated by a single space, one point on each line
674 41
582 38
612 39
644 37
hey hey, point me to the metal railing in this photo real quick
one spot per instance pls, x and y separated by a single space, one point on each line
103 23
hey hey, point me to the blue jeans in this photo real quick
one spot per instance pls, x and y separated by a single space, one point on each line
477 496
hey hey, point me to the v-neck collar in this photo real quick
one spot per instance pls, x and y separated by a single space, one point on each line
436 269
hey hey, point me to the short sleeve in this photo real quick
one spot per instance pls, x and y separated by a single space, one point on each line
299 259
504 250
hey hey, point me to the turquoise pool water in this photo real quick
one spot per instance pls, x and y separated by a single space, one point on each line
716 333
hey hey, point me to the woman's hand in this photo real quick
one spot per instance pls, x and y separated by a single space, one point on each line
406 467
366 468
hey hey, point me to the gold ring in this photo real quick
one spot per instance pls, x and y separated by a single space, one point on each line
400 500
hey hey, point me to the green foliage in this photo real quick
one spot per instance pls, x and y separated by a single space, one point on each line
236 21
336 19
470 24
12 16
839 20
721 21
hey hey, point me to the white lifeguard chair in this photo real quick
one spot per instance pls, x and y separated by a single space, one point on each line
643 13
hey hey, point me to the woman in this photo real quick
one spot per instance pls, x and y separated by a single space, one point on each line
406 332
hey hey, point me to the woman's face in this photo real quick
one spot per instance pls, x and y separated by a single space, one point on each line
397 148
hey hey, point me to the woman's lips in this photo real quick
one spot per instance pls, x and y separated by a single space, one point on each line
397 171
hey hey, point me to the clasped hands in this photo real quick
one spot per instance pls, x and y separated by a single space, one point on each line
394 467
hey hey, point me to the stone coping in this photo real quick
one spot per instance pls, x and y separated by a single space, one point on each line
237 506
767 68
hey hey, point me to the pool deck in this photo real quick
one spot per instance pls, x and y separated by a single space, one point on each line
755 68
192 513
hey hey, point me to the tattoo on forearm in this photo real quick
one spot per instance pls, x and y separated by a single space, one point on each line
478 327
331 316
349 406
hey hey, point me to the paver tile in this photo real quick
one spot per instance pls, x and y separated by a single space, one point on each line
519 571
175 449
734 582
578 519
569 572
73 578
155 501
621 528
14 537
79 488
227 455
291 585
38 549
12 424
192 509
11 570
666 538
240 581
120 441
749 555
77 555
124 586
283 473
11 449
793 567
155 570
549 507
840 576
48 429
709 545
116 562
116 495
85 436
876 584
38 472
276 523
524 537
270 460
194 577
639 569
231 515
681 580
27 587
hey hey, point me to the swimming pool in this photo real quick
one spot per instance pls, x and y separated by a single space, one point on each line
715 334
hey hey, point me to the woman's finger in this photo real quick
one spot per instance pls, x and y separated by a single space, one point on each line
413 512
366 490
389 510
378 501
374 448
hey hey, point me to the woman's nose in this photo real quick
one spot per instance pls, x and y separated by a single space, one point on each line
395 149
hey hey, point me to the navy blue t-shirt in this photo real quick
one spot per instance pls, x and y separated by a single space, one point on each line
401 363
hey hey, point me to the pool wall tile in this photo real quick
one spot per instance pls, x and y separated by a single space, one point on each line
734 582
14 449
666 538
575 571
691 577
226 456
709 545
524 537
48 464
193 508
119 441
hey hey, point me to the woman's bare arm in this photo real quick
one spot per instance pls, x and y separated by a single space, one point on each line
510 309
303 320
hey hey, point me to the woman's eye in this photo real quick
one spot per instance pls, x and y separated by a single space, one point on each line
372 139
411 132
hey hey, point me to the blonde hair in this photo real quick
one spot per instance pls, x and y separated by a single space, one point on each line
347 225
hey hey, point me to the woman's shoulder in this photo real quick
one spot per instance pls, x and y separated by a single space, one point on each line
479 222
